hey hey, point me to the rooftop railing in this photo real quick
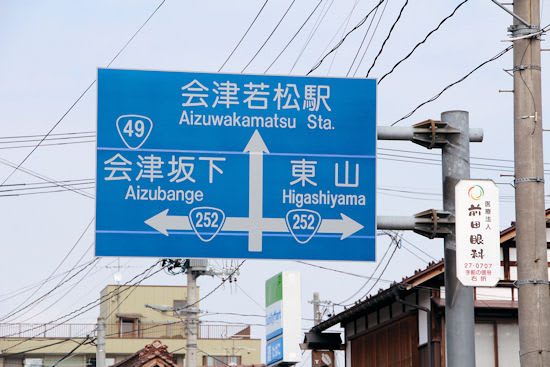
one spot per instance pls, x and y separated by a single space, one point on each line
140 330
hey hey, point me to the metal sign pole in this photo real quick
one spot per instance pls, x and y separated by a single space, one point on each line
459 300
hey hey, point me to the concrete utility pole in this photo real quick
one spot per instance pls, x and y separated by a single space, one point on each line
534 300
100 343
459 300
316 311
191 319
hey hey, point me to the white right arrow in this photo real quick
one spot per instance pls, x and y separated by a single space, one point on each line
346 226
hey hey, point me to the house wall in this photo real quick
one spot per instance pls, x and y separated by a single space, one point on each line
132 300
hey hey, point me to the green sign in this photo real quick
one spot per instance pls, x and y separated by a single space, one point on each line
274 289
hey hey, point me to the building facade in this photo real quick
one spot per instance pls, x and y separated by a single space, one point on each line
130 325
404 324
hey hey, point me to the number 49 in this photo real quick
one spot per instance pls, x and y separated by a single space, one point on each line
138 128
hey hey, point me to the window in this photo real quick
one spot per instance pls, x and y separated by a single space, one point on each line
128 327
211 361
34 362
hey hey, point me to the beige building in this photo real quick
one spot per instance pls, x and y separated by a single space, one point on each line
130 325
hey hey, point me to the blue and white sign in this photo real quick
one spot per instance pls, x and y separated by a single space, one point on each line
274 351
235 166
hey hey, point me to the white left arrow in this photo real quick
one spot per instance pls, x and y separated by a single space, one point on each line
162 222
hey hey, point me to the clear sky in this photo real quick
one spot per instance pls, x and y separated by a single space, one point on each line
50 54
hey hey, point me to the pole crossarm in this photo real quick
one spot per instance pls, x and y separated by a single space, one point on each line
430 223
526 23
429 133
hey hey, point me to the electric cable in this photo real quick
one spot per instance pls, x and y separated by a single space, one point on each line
340 271
48 145
89 187
371 38
42 177
50 291
343 32
318 22
249 297
244 35
87 307
80 96
362 41
71 351
269 37
345 37
369 278
497 56
388 36
17 308
423 41
73 286
294 36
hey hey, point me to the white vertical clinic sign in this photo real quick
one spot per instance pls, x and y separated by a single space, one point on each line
283 319
477 233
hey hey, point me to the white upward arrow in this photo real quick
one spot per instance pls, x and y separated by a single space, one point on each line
255 224
256 148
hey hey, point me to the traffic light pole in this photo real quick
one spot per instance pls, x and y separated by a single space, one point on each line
453 135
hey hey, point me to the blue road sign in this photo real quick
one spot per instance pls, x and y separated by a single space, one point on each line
235 166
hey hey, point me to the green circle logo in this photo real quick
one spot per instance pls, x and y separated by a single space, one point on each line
476 192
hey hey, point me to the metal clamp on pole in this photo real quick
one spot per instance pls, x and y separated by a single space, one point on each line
517 283
434 223
528 179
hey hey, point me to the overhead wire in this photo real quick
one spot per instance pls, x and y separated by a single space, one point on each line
269 37
371 38
423 41
87 307
244 35
388 36
342 34
318 22
371 277
294 36
362 42
44 178
318 64
18 166
497 56
18 308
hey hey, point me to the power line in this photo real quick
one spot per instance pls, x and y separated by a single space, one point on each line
244 35
49 145
362 41
371 38
322 15
294 36
497 56
87 307
269 37
344 38
72 351
17 308
42 177
423 41
339 271
81 96
388 36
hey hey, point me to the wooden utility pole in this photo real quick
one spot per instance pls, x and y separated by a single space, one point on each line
534 300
